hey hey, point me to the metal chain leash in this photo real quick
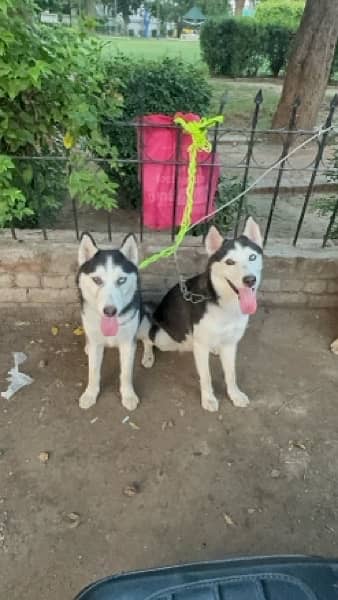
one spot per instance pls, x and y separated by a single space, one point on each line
187 294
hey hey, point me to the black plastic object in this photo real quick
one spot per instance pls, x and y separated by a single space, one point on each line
265 578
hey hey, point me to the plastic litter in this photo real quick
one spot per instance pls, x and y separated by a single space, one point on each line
16 379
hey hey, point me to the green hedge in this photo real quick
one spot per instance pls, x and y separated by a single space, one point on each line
240 47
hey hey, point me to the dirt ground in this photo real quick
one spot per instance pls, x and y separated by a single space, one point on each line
244 481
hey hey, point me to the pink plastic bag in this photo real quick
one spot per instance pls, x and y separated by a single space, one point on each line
158 181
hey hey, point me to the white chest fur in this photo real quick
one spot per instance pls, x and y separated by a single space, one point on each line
221 326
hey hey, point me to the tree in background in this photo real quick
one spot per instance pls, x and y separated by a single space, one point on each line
310 63
239 5
287 13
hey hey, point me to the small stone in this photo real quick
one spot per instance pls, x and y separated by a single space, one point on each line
275 473
44 457
251 511
43 363
131 490
72 520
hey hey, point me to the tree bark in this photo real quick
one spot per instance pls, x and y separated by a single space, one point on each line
89 8
310 63
239 5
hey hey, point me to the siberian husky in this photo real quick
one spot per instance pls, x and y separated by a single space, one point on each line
216 317
109 287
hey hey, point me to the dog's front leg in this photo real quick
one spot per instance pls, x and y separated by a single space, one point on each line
228 359
95 356
201 355
127 358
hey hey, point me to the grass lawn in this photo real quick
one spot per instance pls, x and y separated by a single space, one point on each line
152 48
240 93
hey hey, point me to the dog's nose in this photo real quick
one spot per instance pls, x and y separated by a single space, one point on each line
249 280
110 311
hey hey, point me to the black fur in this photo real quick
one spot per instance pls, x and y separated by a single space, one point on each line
230 245
177 316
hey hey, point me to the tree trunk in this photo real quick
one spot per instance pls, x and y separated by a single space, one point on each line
310 63
239 5
89 8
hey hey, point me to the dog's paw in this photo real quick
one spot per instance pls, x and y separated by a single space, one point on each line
210 403
130 401
334 347
87 400
239 399
148 359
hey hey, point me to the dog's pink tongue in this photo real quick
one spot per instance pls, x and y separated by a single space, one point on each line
247 300
109 325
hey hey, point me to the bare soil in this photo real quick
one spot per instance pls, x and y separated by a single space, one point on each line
244 481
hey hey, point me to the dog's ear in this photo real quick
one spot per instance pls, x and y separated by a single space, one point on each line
253 232
213 241
87 248
129 248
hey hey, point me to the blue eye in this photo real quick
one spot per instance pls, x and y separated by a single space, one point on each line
121 280
252 257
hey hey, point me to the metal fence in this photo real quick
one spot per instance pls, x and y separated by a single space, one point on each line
248 166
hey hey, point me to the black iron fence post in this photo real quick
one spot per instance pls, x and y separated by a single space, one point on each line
213 154
258 102
286 146
141 151
37 191
321 147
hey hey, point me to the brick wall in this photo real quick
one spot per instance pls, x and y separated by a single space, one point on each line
40 275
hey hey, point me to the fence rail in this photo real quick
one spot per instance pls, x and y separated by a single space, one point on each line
248 142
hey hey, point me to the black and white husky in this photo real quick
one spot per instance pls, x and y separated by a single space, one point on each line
213 317
109 287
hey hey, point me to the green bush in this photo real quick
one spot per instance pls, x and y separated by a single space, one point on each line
239 47
54 94
285 13
233 47
151 86
277 42
224 220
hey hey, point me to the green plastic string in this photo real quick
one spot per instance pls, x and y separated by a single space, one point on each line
198 131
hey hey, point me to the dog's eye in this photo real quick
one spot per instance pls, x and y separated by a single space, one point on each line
121 280
252 257
97 280
229 261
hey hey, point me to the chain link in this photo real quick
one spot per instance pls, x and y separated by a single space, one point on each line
186 293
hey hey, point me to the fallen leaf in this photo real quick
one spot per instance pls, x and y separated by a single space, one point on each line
228 520
44 457
131 490
275 473
55 330
78 331
167 425
134 426
297 444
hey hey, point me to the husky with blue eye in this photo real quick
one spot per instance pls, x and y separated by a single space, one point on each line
109 288
225 296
